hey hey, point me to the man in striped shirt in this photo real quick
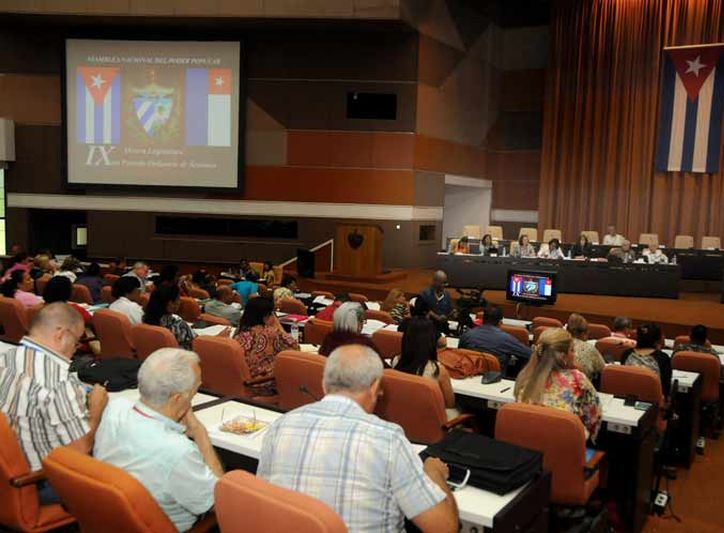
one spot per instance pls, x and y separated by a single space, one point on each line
45 404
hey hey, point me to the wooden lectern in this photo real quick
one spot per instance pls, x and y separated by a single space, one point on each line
358 250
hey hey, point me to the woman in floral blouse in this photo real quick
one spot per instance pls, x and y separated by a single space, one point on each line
550 379
262 338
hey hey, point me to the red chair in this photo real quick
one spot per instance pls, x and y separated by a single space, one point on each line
685 339
519 333
326 294
709 367
248 504
199 294
613 348
357 297
299 378
598 331
560 436
382 316
147 339
81 294
13 319
224 282
111 278
546 321
636 381
316 330
107 294
113 330
537 332
19 507
292 306
389 343
189 309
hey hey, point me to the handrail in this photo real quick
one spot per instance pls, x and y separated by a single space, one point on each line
329 242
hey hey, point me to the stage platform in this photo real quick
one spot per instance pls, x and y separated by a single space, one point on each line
676 316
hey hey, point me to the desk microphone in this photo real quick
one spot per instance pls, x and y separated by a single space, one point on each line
305 390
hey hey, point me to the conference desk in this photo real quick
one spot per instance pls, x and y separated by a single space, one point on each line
580 277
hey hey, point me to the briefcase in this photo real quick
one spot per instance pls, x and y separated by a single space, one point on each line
494 465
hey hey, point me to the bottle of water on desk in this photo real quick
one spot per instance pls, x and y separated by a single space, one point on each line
673 260
295 331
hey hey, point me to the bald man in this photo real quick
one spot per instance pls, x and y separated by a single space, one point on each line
221 306
439 301
46 405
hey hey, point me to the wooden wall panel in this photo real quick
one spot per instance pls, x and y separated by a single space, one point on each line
515 194
30 99
449 157
514 165
351 149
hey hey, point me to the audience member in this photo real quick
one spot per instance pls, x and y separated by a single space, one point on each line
45 264
438 301
552 251
19 286
46 404
524 248
550 379
245 269
20 261
328 312
582 248
489 338
60 289
337 451
396 305
262 337
268 276
161 311
612 238
698 341
621 331
158 439
487 247
247 287
140 272
287 290
91 278
648 354
347 324
168 276
202 280
419 357
127 294
220 305
117 266
654 255
587 358
70 268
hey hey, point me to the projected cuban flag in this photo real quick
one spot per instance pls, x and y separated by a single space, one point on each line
98 105
208 107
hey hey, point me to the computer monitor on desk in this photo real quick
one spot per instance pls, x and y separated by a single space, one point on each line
533 287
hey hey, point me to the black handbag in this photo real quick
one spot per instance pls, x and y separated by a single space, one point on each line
494 465
116 374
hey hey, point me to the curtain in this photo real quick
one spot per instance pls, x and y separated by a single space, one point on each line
600 118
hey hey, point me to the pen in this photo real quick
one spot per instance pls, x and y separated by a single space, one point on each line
505 389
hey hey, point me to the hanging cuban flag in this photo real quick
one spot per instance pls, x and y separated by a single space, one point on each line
98 105
208 107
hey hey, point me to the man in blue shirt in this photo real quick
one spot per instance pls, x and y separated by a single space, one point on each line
491 339
438 300
247 287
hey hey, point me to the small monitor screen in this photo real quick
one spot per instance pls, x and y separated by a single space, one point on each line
531 286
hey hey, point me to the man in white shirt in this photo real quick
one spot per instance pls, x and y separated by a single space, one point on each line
612 238
159 440
654 255
140 272
127 292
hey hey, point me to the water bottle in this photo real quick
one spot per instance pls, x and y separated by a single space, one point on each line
295 331
673 260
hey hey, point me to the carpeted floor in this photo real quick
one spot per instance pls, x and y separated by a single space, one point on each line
698 496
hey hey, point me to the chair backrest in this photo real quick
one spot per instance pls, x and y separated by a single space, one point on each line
199 294
532 233
326 294
552 234
705 364
357 297
41 282
19 509
248 504
147 339
649 238
683 241
598 331
546 321
496 232
559 435
299 378
389 343
537 332
472 230
189 309
107 294
685 339
711 242
591 235
415 403
223 366
292 306
99 494
13 319
114 332
612 347
81 294
224 282
382 316
316 330
111 278
643 383
519 333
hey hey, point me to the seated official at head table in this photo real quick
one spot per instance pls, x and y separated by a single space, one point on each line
552 250
524 248
487 246
46 405
612 238
159 440
551 379
462 246
648 354
625 254
363 467
582 249
654 256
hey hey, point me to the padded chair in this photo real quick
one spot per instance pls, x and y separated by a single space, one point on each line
649 238
106 498
292 306
705 364
299 378
495 232
199 294
357 297
550 234
472 231
326 294
382 316
111 278
316 330
189 309
224 369
19 507
685 339
147 339
113 330
389 343
538 331
81 294
224 282
591 235
519 333
248 504
40 283
683 242
546 321
13 319
711 242
598 331
643 383
560 436
417 405
107 294
532 233
613 348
